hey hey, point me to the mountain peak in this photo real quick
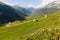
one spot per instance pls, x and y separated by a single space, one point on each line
55 4
1 3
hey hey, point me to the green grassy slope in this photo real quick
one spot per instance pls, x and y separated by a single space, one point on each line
44 29
49 29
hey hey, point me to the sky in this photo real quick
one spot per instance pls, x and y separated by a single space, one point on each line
28 3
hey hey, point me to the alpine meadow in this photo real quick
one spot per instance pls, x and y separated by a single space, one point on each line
29 19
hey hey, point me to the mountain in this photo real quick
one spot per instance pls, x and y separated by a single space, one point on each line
45 29
32 9
22 10
9 14
48 9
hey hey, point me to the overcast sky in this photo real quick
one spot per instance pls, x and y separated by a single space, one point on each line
28 3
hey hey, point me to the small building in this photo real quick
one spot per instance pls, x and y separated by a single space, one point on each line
45 16
8 25
35 20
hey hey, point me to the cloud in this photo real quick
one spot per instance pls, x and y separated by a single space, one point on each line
30 5
11 4
7 3
44 2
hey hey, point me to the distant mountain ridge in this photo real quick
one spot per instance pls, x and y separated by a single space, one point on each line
32 9
50 8
21 9
54 4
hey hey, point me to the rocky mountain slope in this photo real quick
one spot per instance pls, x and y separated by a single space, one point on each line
9 14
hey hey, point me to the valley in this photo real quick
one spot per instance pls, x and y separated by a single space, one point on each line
30 23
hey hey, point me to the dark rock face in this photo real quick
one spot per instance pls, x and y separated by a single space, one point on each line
9 14
24 11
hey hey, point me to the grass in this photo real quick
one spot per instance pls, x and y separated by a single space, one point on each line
13 33
45 29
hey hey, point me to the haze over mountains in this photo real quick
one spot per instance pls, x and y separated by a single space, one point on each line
48 9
